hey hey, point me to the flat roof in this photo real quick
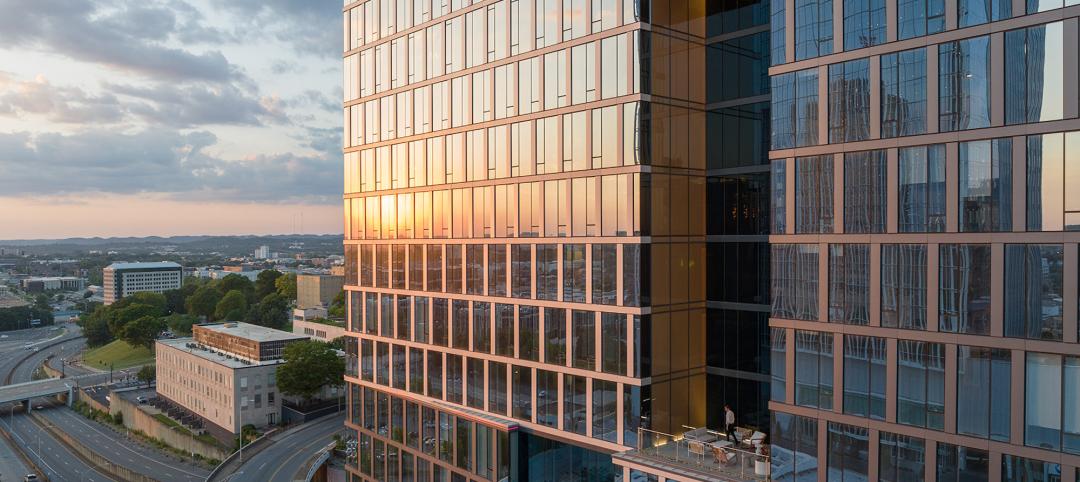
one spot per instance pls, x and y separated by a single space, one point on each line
251 332
142 265
188 345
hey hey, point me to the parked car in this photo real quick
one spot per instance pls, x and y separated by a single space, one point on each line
30 477
142 399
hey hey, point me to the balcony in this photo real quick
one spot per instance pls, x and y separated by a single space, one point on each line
699 455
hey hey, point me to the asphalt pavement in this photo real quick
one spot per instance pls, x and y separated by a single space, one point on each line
279 461
121 450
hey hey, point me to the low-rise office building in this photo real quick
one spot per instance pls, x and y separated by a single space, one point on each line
56 283
123 279
225 374
318 331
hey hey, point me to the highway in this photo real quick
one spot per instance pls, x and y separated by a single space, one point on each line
58 463
279 461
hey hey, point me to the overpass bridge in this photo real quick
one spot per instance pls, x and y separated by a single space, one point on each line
24 392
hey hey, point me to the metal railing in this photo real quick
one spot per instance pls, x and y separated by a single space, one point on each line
717 455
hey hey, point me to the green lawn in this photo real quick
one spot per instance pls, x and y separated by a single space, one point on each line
119 354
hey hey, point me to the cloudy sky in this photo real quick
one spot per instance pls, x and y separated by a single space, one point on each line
163 117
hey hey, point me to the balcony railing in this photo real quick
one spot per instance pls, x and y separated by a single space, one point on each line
705 451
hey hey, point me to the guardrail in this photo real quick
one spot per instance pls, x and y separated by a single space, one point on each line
711 453
318 462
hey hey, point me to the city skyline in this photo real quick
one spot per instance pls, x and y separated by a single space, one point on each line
221 114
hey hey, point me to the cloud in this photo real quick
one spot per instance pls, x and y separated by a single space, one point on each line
69 105
199 104
156 161
132 36
310 26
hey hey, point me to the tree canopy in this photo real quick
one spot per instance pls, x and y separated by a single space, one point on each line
309 365
203 302
271 312
286 286
233 306
266 283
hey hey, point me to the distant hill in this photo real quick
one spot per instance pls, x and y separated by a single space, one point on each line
327 243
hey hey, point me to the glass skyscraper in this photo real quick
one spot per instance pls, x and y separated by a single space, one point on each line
534 190
924 240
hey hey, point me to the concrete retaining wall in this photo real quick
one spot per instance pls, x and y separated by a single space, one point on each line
136 419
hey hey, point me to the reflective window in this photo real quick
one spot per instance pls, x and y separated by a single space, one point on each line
574 396
794 278
778 39
604 274
922 189
1034 291
497 394
604 395
920 384
849 283
864 23
814 369
964 288
957 463
574 273
903 93
454 262
636 274
794 447
521 270
903 286
547 398
794 109
547 271
474 269
1051 165
849 452
555 336
813 28
983 392
528 333
496 269
584 339
916 18
865 192
778 364
779 196
440 322
613 343
902 458
975 12
1019 469
1034 80
504 329
420 319
849 100
522 393
814 194
986 185
864 376
459 329
964 84
1051 396
454 378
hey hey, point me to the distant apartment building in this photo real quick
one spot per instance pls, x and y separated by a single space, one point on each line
60 283
225 374
262 252
123 279
314 290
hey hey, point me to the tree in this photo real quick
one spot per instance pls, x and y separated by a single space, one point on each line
286 286
266 283
95 327
309 365
235 282
174 301
118 318
180 324
232 306
203 302
272 312
337 307
41 301
147 374
157 300
142 332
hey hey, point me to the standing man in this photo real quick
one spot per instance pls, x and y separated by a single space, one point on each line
729 423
